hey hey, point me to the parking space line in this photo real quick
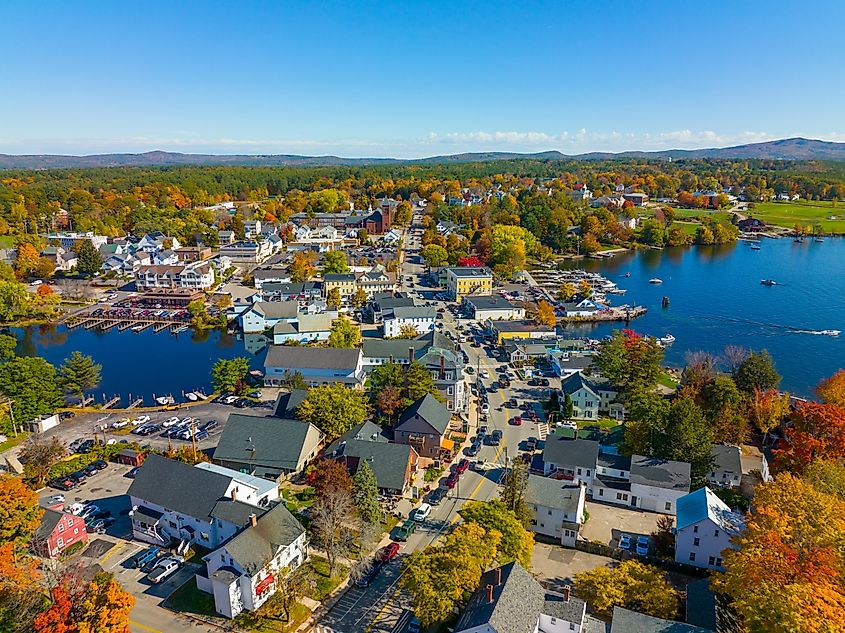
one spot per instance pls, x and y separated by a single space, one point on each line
143 626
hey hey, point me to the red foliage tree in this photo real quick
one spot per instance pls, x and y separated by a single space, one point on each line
471 261
817 432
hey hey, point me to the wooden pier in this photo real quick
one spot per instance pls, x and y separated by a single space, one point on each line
108 404
137 402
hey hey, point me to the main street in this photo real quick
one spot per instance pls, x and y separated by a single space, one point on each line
383 606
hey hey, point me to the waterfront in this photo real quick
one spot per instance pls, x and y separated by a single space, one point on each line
716 299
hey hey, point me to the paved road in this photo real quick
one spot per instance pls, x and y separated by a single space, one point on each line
383 606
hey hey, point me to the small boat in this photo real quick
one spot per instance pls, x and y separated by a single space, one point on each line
655 280
666 340
137 328
829 332
755 247
768 282
627 274
820 240
191 396
165 400
200 395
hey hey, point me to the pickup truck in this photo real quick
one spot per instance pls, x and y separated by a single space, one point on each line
164 569
405 530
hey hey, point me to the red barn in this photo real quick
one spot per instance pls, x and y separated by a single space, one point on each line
58 530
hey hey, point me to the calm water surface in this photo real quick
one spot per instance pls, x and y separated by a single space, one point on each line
715 300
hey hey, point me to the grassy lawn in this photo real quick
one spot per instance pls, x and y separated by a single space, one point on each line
298 500
261 623
13 441
807 213
666 380
689 228
7 241
318 573
605 424
189 599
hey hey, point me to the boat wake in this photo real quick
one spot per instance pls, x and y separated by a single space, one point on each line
774 326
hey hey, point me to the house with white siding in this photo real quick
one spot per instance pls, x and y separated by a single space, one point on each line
726 466
263 315
556 508
591 397
421 318
704 527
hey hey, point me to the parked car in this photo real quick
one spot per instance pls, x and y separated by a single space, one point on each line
462 466
143 557
389 552
405 530
485 408
132 473
414 625
480 466
211 424
165 568
517 420
62 483
366 579
452 481
170 422
54 499
99 526
119 424
471 451
436 496
496 436
89 470
625 541
421 513
642 546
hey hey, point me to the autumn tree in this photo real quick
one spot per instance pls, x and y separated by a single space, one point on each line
567 291
333 298
360 298
434 255
334 408
330 475
630 360
767 409
27 260
334 262
757 372
404 213
786 573
20 513
333 523
516 542
302 267
344 334
631 585
412 380
229 375
100 606
832 390
389 402
39 454
545 314
817 433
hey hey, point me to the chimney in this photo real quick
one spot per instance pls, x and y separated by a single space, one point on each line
442 368
490 594
498 575
410 355
234 494
254 520
566 590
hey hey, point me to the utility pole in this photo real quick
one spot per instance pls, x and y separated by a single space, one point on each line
194 438
12 417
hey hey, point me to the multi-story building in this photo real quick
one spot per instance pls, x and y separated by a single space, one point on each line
68 239
705 527
420 318
247 252
591 397
194 276
344 282
556 508
316 365
468 280
424 426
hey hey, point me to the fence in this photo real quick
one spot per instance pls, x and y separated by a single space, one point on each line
601 549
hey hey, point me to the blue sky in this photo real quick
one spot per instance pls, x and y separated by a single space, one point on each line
410 79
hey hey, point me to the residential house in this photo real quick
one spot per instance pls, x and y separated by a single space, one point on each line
263 276
267 447
726 468
263 315
751 225
580 307
226 237
492 307
173 502
303 292
580 193
193 253
608 201
704 527
468 280
382 301
565 363
307 328
63 260
420 318
57 531
156 242
525 351
252 228
195 275
574 460
245 571
503 330
510 600
591 397
635 198
378 351
755 470
394 465
424 427
246 251
556 508
343 282
375 280
446 367
625 621
316 365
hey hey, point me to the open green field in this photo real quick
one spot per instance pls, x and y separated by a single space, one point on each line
7 241
808 213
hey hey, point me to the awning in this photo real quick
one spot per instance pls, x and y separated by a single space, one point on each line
263 585
447 445
148 514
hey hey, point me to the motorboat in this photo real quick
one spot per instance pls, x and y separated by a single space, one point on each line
755 247
768 282
829 332
191 396
200 395
666 340
165 400
655 280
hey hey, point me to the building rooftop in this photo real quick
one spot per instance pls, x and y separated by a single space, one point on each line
257 544
312 357
660 473
508 600
727 458
583 453
704 504
470 271
554 493
489 302
625 621
430 410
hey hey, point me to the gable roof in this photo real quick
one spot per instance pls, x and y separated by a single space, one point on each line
312 357
179 487
553 493
368 431
704 504
288 402
625 621
576 381
566 452
430 410
277 309
397 348
517 602
660 473
267 443
388 461
257 544
726 457
49 520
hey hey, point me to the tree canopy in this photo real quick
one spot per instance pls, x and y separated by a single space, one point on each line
334 409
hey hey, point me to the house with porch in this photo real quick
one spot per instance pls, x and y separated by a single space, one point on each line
424 426
591 397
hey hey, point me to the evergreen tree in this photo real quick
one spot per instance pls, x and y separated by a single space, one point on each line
79 374
366 494
89 257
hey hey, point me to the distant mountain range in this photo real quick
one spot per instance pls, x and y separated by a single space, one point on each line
784 149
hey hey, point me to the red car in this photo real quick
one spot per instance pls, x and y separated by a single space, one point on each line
462 466
389 552
452 480
517 420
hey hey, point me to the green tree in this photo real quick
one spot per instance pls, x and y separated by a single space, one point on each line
630 361
509 247
757 372
79 374
724 408
631 585
434 255
31 384
228 375
366 494
8 344
516 542
360 298
89 257
14 300
413 381
513 490
404 213
334 409
567 410
334 262
344 334
333 298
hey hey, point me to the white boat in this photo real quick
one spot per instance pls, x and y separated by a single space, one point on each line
165 400
666 340
829 332
200 395
655 280
191 396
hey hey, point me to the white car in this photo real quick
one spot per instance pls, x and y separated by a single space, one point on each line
140 420
484 373
169 422
55 499
568 424
421 514
120 423
166 567
485 408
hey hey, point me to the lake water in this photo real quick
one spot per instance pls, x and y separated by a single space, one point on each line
716 299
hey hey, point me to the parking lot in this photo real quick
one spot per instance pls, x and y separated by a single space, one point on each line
605 521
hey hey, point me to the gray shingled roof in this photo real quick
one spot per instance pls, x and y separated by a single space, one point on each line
287 403
266 442
518 600
660 473
726 457
49 520
179 487
339 277
553 493
398 348
256 545
563 452
236 512
365 431
430 410
489 302
571 610
625 621
388 461
311 357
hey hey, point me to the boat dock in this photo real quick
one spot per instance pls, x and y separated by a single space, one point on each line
134 404
90 322
108 404
619 313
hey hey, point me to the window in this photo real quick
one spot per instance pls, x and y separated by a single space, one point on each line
718 562
579 471
716 533
588 472
450 390
696 542
554 620
76 530
618 496
60 542
668 505
61 527
571 626
550 512
222 558
601 492
204 536
692 556
542 525
695 529
712 561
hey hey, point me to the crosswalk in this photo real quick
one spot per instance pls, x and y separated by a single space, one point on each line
543 430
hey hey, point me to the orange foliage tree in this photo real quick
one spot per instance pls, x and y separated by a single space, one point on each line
546 314
787 574
20 513
817 433
101 606
832 390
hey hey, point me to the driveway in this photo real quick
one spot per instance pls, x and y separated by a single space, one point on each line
555 565
607 522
